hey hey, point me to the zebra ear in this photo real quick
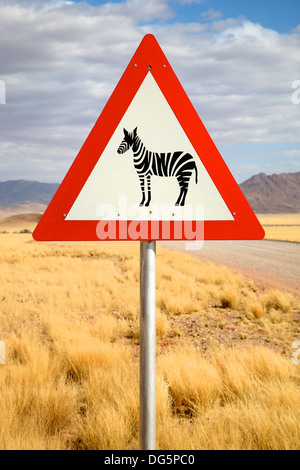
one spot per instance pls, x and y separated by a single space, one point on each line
125 132
135 131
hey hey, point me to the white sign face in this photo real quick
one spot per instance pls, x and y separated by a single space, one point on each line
119 180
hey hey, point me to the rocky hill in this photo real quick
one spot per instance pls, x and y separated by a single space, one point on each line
13 193
273 194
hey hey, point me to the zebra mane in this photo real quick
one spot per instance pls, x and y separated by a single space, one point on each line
130 135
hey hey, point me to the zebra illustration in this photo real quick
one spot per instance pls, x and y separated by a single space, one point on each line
178 164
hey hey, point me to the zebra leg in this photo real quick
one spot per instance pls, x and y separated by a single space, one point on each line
179 198
182 194
142 183
183 180
184 191
149 190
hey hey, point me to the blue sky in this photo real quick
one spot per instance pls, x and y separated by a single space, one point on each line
275 14
60 60
280 15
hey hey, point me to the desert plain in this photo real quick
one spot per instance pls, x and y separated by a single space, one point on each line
228 375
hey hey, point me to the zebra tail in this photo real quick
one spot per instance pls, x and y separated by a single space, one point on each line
196 173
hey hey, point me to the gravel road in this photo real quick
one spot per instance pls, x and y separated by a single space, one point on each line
271 263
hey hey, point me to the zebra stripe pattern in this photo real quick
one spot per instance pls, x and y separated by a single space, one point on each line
177 164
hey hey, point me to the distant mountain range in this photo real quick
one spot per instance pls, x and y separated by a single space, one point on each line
265 193
273 194
14 193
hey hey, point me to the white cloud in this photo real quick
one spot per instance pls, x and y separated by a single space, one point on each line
54 4
189 2
60 66
212 14
296 30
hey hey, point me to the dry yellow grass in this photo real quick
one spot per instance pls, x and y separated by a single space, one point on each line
239 400
69 317
284 227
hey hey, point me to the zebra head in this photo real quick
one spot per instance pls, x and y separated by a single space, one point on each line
128 141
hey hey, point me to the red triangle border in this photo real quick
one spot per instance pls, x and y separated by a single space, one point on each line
54 227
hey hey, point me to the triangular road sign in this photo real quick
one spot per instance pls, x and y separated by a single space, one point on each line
172 184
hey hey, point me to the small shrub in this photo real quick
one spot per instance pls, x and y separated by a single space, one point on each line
278 300
229 299
256 308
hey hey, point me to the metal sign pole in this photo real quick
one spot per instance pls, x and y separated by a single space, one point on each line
147 344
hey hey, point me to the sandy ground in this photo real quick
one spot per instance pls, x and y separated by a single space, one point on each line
21 210
22 220
269 263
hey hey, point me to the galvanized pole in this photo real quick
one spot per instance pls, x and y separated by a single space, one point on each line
147 344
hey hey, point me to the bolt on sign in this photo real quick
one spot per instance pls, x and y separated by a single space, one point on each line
149 169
